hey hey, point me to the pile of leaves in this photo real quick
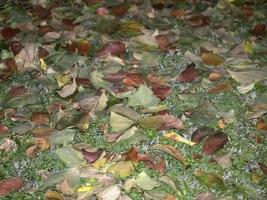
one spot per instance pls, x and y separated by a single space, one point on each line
120 100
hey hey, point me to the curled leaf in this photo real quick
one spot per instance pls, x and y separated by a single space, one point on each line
177 138
172 151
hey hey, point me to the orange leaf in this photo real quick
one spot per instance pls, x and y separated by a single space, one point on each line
221 87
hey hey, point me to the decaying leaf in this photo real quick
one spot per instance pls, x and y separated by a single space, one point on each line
189 74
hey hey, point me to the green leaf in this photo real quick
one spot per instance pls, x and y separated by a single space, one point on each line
70 157
145 182
143 97
119 122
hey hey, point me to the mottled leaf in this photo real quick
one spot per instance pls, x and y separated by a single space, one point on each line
10 185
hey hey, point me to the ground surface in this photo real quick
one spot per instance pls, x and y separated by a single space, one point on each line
133 100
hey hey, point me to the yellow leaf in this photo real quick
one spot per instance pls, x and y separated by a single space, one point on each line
100 163
248 47
176 137
85 188
122 169
43 65
62 79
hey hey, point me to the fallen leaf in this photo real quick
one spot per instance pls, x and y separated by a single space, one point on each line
224 161
68 89
119 122
39 118
248 76
16 91
172 151
163 41
134 80
112 48
205 196
202 132
263 168
162 92
31 151
91 157
212 59
3 130
9 185
9 32
162 122
143 96
177 138
168 181
258 29
53 195
214 142
144 182
16 47
214 76
122 169
221 87
209 179
189 74
110 193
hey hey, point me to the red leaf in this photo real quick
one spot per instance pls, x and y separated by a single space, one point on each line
68 24
131 155
112 48
258 29
214 142
3 129
8 32
263 168
83 81
115 77
201 133
91 157
45 29
156 163
16 91
16 47
134 80
162 92
10 185
189 74
119 11
163 41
